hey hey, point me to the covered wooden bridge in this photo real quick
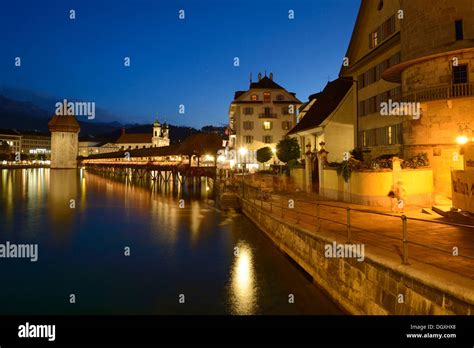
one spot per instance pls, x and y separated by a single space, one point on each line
194 158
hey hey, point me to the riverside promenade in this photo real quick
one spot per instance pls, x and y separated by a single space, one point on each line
429 239
414 263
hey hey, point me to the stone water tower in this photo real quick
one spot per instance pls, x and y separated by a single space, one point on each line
64 141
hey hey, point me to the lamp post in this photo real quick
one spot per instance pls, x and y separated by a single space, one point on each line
243 153
462 137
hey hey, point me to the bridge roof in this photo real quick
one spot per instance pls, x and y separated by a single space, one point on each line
171 150
194 144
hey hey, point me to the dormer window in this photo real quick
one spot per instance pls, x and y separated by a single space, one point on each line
266 97
254 97
280 97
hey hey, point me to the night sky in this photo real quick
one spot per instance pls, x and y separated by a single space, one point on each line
173 61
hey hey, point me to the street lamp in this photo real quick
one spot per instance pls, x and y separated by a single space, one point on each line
462 138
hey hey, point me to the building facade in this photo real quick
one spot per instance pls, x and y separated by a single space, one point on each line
413 64
35 143
436 73
158 138
89 147
260 117
328 119
29 143
374 47
12 139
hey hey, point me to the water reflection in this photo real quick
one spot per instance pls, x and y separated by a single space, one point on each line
243 290
175 249
63 200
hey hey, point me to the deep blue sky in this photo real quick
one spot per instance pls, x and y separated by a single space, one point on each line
173 61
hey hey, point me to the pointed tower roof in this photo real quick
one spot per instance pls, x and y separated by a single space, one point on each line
64 123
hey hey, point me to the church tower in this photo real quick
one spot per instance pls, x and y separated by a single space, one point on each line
166 132
64 141
156 134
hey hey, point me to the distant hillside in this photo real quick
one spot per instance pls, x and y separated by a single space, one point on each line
48 102
16 114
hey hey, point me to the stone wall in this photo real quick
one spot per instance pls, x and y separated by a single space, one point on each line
371 187
64 150
373 286
429 28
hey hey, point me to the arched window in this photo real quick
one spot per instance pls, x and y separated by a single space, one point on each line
380 6
254 97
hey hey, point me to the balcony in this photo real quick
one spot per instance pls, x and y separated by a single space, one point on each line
266 115
450 91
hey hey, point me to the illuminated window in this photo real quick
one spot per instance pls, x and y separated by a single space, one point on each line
373 38
254 97
267 125
364 138
266 97
389 135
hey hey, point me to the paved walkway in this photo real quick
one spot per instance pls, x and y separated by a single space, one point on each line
431 240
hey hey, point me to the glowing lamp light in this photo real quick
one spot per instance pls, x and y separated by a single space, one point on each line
274 150
462 139
243 151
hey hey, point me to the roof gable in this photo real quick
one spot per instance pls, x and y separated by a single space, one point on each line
264 83
369 18
328 101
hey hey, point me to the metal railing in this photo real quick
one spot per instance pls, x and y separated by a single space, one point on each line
449 91
272 204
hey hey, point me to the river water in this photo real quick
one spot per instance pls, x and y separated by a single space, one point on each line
111 246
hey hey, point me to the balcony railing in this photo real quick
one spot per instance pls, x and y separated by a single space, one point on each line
267 115
461 90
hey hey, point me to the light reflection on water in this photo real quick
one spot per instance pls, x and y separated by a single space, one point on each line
173 250
243 291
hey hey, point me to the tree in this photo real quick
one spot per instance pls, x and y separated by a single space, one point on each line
288 149
264 154
201 144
